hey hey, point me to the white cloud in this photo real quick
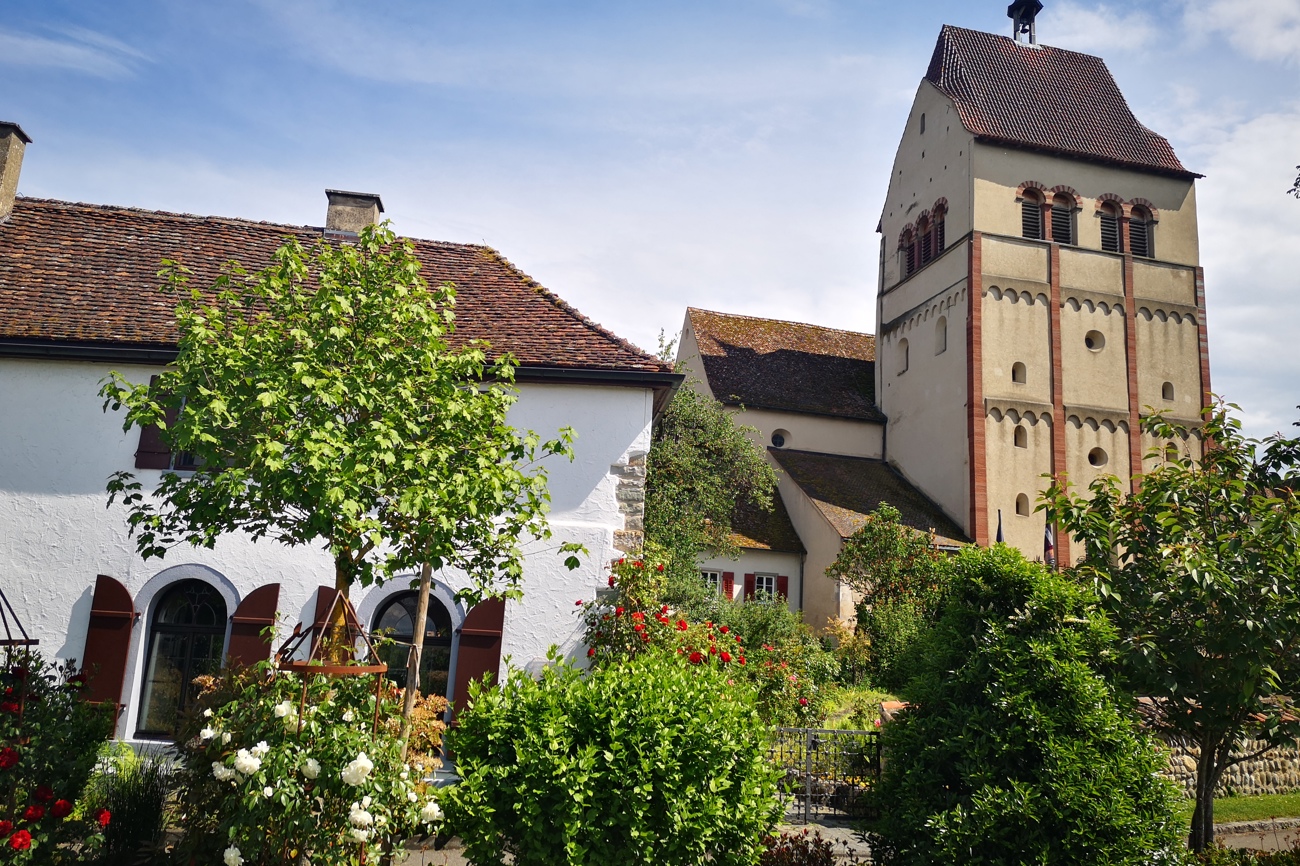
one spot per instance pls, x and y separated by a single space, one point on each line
1094 28
1261 29
80 50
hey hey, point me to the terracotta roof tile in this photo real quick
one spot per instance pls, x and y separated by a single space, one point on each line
88 274
771 364
1044 98
846 489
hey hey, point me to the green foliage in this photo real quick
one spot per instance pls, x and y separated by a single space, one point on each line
1217 856
1013 750
322 404
1199 569
700 468
272 783
858 708
49 742
791 673
797 849
887 561
134 790
894 627
640 761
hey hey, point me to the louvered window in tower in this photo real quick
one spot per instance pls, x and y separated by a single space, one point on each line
1110 228
1139 233
1031 218
1063 220
926 241
939 244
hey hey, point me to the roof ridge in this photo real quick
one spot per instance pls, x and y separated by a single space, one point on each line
1038 46
690 310
571 311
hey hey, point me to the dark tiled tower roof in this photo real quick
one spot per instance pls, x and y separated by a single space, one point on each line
1043 98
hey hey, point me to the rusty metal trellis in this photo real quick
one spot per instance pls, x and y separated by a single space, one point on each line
826 771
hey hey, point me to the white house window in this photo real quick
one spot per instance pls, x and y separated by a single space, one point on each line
395 621
713 580
186 636
765 583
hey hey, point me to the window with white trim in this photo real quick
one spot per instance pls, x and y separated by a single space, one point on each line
712 579
765 583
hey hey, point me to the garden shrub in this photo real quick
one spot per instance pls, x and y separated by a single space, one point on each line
894 628
133 789
1013 750
255 789
1221 856
797 849
643 760
49 743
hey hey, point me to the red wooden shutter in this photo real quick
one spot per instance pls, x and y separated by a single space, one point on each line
248 645
108 638
479 654
153 452
783 586
749 586
728 585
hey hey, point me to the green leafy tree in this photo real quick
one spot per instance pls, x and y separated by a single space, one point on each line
702 465
322 405
1013 749
1198 570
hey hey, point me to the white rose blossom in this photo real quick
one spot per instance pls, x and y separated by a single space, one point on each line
430 813
359 817
207 714
268 791
246 762
207 733
283 709
311 768
221 772
347 716
225 738
356 772
232 857
259 751
360 835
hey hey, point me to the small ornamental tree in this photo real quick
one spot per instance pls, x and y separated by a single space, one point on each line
1199 569
49 743
701 467
321 404
641 761
1013 749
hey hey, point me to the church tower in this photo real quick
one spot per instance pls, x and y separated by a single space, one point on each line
1040 282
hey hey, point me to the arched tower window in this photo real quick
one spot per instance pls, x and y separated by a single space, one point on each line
1021 437
1022 505
925 239
1109 215
1018 373
940 243
1140 234
186 636
941 335
1062 218
395 623
902 356
1167 392
1031 215
907 251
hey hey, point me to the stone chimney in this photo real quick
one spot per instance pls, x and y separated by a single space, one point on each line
350 212
12 143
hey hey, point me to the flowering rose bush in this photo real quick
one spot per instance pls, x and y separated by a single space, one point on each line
632 620
268 778
641 760
49 742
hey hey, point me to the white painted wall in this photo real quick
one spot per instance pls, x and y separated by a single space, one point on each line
56 535
760 562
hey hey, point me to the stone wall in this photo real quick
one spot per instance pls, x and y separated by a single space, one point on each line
631 501
1275 772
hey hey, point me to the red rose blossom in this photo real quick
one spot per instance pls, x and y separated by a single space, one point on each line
681 625
8 757
696 657
6 827
638 616
9 707
35 812
578 603
639 564
618 611
803 702
726 656
103 816
611 581
61 809
20 841
663 609
44 793
639 627
591 653
659 567
740 661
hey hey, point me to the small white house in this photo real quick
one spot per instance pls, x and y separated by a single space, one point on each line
80 298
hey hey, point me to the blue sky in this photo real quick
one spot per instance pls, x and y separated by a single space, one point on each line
641 157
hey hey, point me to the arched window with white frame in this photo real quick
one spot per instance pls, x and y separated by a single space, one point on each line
187 634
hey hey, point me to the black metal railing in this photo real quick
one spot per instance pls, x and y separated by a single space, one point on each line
826 772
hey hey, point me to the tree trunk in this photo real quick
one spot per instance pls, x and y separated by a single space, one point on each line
417 651
336 643
1202 835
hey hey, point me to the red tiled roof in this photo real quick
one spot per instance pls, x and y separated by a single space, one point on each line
1044 98
771 364
88 274
754 529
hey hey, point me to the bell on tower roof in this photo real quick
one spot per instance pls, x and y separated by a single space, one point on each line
1023 13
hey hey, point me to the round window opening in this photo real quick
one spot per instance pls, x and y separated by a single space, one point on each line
780 437
1097 457
1095 340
